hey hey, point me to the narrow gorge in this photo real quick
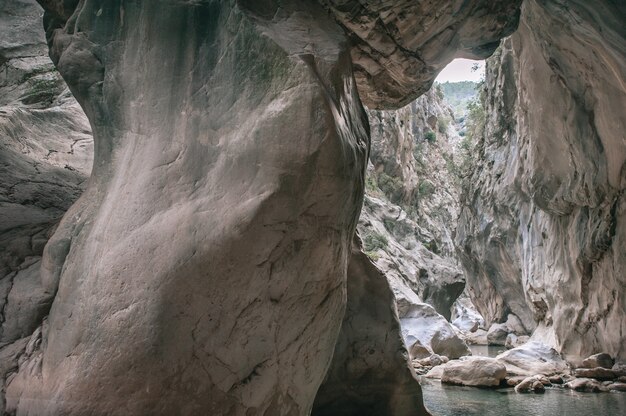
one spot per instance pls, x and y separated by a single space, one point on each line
271 208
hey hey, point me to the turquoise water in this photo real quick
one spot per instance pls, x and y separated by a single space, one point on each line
486 350
445 400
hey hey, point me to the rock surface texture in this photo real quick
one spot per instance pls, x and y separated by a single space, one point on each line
45 158
411 201
474 371
543 228
204 267
364 377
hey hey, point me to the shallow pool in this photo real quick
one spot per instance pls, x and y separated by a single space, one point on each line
445 400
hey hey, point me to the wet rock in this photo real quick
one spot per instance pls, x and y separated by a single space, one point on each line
530 385
533 358
556 379
617 387
515 380
586 385
598 373
619 368
474 371
598 360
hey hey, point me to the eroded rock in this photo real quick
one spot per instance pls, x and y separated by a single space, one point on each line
586 385
533 358
598 360
421 323
474 371
365 376
550 169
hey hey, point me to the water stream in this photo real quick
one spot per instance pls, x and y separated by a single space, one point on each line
446 400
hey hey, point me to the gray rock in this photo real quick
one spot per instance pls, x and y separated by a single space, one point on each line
497 334
598 360
206 250
421 323
419 351
533 358
549 168
369 372
586 385
474 371
530 385
513 340
617 387
598 373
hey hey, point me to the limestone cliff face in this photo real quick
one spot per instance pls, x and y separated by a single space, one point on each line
205 268
411 200
542 232
45 158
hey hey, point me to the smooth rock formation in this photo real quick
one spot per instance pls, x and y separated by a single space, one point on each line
364 377
422 324
209 252
513 341
497 334
474 371
464 315
543 229
598 360
533 358
530 385
586 385
618 387
45 158
598 373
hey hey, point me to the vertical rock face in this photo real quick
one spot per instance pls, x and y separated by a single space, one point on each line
411 200
208 254
543 229
204 267
45 157
364 377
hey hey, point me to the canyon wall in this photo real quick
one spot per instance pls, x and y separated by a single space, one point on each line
411 200
45 158
542 232
205 268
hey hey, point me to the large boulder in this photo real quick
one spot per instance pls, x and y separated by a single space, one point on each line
422 324
598 373
497 333
533 358
598 360
465 316
474 371
586 385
